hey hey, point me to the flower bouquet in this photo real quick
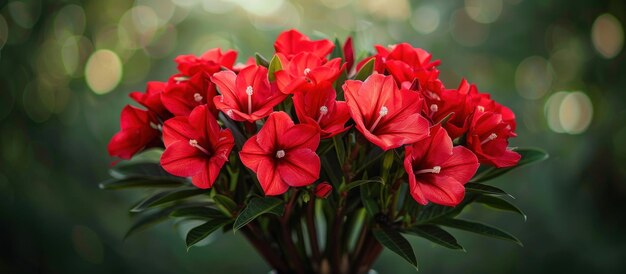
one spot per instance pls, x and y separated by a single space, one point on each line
318 158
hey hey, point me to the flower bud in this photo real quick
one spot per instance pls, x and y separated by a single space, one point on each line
322 190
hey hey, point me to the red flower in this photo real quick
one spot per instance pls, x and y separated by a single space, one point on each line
322 190
320 109
240 66
210 62
139 130
488 138
455 101
348 53
437 171
386 116
292 42
151 99
306 71
247 96
283 154
183 94
196 147
416 59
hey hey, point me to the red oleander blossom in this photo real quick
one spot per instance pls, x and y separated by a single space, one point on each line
210 62
183 94
319 108
348 54
323 190
247 96
196 147
151 99
387 116
292 42
416 59
139 130
488 137
438 171
283 154
306 71
454 102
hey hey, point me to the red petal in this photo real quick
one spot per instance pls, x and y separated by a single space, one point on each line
300 167
461 166
252 154
439 189
300 136
277 124
269 178
177 129
181 159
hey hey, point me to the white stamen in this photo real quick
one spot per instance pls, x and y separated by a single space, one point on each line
230 113
194 143
156 126
382 113
179 79
491 136
280 154
307 71
197 97
481 108
435 170
249 91
434 108
323 111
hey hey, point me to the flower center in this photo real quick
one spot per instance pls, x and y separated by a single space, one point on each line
382 113
194 143
197 97
434 108
307 71
280 154
323 111
156 126
434 170
249 91
481 108
491 136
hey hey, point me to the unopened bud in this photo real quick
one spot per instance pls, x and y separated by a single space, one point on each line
322 190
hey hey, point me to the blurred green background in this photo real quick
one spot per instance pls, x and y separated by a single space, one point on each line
67 67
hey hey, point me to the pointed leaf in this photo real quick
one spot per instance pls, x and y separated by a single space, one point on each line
142 181
366 70
529 155
256 207
240 139
479 228
337 51
167 196
433 212
499 203
198 212
202 231
485 189
227 204
395 242
357 183
138 170
147 220
260 60
275 66
436 235
340 149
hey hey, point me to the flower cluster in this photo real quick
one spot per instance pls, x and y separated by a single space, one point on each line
310 92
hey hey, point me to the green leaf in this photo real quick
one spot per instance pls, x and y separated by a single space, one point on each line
499 203
340 149
148 220
167 196
240 139
260 60
227 204
436 235
202 231
275 66
357 183
138 169
433 212
337 50
395 242
256 207
479 228
198 212
371 207
142 181
529 155
366 70
485 189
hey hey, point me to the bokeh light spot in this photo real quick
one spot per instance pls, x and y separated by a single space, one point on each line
70 21
103 71
466 31
569 112
483 11
533 77
425 19
25 13
260 8
336 4
607 35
